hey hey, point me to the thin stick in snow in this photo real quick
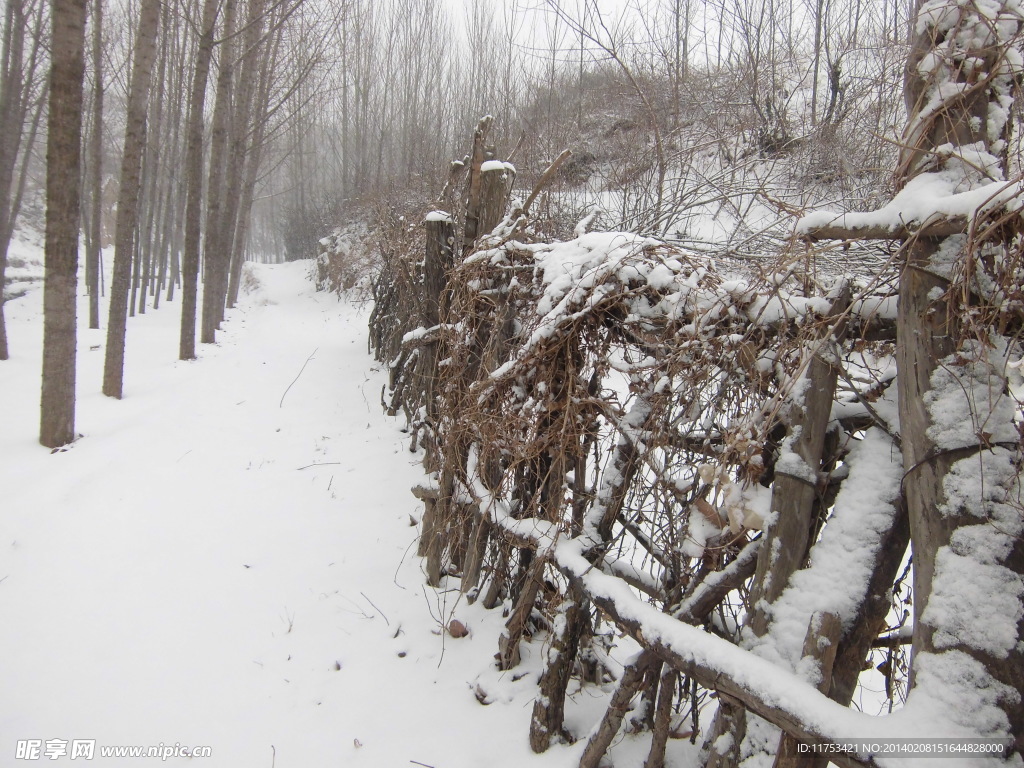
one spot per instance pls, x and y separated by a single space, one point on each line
378 609
281 404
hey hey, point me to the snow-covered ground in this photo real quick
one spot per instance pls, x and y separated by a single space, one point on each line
226 558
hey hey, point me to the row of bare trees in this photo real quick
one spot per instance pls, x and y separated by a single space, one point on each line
182 198
207 130
22 100
213 128
650 100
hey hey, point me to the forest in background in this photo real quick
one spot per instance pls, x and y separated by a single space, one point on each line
674 110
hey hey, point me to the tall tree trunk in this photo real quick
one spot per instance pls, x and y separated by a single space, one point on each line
268 62
194 182
216 245
10 93
63 181
16 80
128 196
239 149
92 256
177 241
154 153
172 158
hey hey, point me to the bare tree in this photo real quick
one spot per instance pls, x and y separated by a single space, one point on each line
243 153
194 181
217 243
21 106
63 177
95 164
128 197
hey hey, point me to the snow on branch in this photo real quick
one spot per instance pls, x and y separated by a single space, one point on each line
930 205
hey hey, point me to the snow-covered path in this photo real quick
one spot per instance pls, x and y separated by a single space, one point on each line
225 561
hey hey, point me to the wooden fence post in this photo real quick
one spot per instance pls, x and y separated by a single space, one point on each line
496 180
794 494
820 645
437 262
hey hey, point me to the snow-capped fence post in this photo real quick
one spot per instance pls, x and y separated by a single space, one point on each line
496 179
959 218
446 519
437 262
479 155
796 489
956 416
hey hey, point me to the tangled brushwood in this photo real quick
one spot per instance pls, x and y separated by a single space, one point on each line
736 462
617 395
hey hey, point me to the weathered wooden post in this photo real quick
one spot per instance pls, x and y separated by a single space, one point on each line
794 495
437 262
961 449
961 81
447 525
795 490
496 184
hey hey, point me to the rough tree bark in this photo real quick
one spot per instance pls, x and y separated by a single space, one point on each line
63 177
128 196
92 256
194 183
217 241
959 539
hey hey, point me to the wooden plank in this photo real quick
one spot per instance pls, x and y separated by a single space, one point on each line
944 228
820 644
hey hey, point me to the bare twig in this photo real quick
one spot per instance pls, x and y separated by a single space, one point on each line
378 609
545 178
281 404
